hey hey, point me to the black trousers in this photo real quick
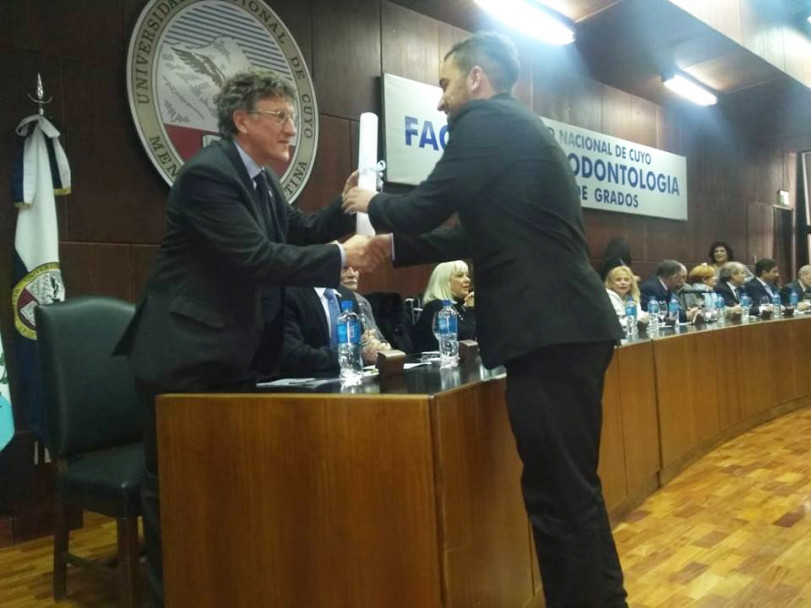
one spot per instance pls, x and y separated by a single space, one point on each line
554 398
150 495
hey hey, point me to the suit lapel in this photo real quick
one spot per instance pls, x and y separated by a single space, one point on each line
251 200
317 312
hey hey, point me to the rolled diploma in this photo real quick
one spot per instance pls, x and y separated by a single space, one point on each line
367 166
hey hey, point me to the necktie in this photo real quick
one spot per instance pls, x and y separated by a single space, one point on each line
266 206
332 306
737 292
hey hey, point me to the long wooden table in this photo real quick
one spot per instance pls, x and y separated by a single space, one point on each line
407 492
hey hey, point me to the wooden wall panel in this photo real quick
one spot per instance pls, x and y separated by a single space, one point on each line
640 420
780 374
332 166
801 354
730 361
96 268
316 452
346 56
478 477
612 444
410 44
117 196
757 395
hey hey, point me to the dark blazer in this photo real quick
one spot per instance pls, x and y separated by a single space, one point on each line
520 221
652 289
802 293
755 290
217 283
306 348
730 299
424 338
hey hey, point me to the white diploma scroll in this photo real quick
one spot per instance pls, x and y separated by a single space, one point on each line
367 166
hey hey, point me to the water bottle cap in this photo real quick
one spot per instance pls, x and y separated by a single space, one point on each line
346 305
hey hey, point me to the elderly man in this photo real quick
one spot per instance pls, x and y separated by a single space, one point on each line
802 287
730 283
520 221
668 282
231 243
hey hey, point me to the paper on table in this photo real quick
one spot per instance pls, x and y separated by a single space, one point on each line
367 166
297 382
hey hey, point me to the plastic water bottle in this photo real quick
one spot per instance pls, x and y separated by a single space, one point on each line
446 330
630 317
349 356
673 309
710 314
746 304
793 299
720 306
653 315
777 305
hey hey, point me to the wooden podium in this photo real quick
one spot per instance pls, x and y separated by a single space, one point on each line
407 495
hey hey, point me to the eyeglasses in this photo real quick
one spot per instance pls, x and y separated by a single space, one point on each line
280 116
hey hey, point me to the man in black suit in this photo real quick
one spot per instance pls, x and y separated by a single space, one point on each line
669 279
802 287
310 337
730 283
520 221
765 283
231 243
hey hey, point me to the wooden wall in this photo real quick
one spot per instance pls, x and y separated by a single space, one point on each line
111 224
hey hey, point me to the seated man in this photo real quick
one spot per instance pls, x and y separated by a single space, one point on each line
669 279
802 287
764 285
310 344
349 279
730 283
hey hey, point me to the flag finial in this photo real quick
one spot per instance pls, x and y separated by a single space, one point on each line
40 96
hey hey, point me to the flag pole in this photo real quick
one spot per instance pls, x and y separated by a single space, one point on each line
40 96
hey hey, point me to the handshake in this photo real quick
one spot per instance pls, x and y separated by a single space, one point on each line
365 253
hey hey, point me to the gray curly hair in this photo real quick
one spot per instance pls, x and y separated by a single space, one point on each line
243 90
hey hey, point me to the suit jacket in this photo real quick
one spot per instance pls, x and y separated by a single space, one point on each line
520 221
306 348
217 284
730 299
795 285
755 290
652 289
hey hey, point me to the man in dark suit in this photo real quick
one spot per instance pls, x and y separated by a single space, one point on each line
765 282
669 279
520 221
802 287
230 245
730 283
310 336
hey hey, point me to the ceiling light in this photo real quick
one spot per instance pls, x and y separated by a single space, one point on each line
690 90
533 19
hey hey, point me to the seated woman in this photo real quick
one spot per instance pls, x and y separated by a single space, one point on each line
448 281
620 283
701 278
721 253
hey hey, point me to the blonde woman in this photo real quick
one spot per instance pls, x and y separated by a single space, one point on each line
448 281
620 284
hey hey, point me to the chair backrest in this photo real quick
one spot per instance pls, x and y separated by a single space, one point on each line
392 319
90 396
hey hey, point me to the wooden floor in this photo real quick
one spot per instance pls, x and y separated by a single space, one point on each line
732 530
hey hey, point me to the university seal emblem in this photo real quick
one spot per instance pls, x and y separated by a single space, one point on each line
180 53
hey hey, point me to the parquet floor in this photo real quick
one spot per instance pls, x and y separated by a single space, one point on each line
733 530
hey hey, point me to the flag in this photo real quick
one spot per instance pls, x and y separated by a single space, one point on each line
40 172
6 415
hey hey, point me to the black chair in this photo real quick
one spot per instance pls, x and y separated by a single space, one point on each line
94 428
392 319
